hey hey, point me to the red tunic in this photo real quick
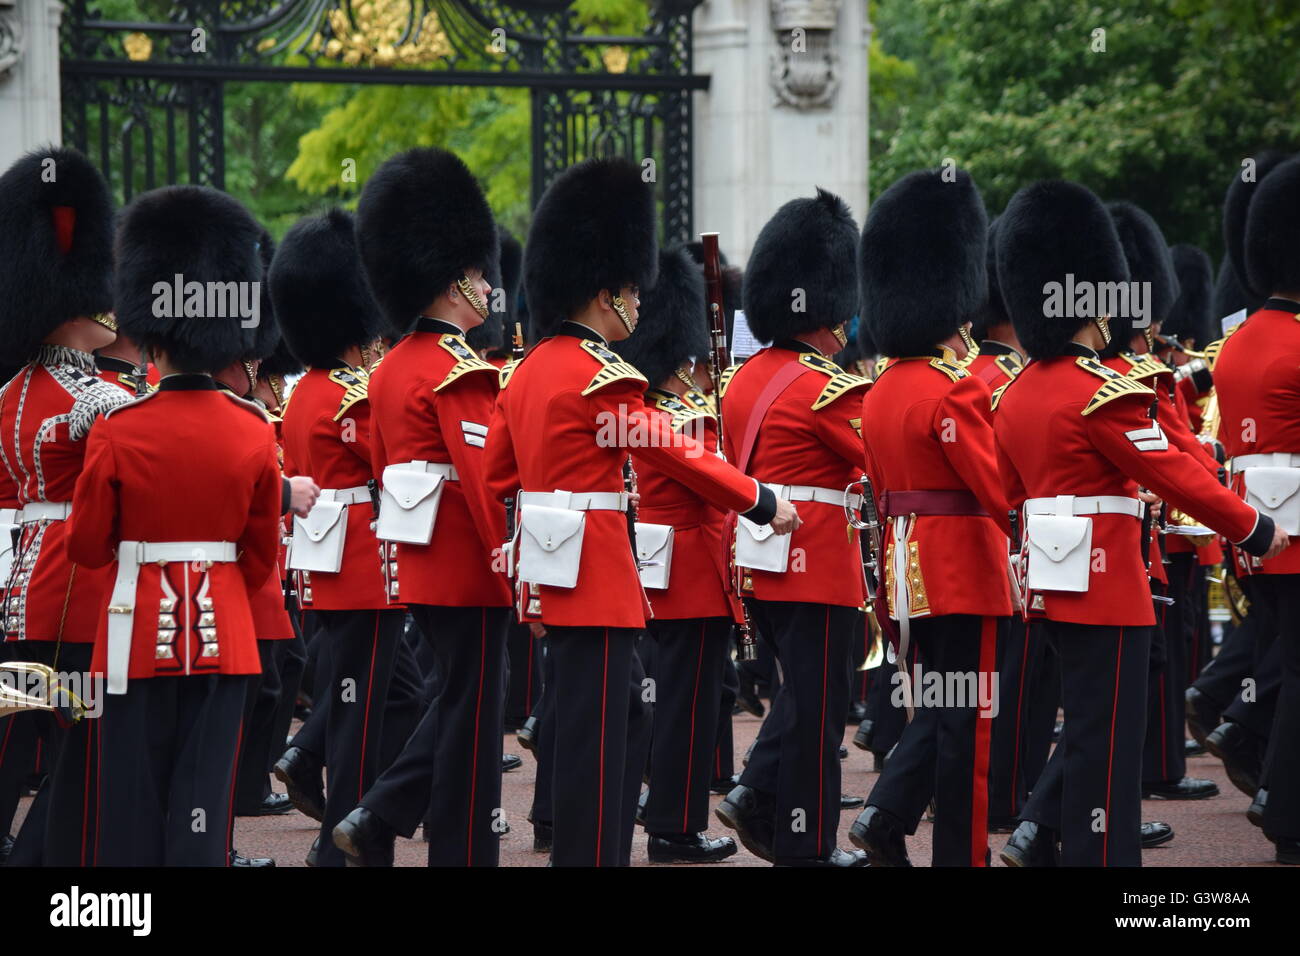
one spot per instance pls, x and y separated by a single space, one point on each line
812 435
326 432
567 415
928 427
698 578
1257 375
433 400
186 463
1048 446
46 411
995 363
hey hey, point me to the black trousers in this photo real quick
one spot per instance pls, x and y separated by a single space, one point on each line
1220 679
1091 789
1163 757
362 647
252 777
1278 596
796 756
687 667
1019 657
599 750
542 810
944 751
165 790
524 665
724 745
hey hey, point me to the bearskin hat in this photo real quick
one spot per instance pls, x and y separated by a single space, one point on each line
1050 230
422 220
923 257
1236 209
321 298
191 254
267 336
1149 261
282 363
1230 297
594 229
802 274
673 326
1272 247
1190 317
991 311
56 245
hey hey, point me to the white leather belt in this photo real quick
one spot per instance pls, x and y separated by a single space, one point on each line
121 606
447 470
45 511
10 516
1085 505
1277 459
576 500
826 496
347 496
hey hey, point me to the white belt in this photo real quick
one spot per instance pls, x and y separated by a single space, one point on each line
347 496
1085 505
121 606
45 511
1277 459
826 496
447 470
11 516
576 500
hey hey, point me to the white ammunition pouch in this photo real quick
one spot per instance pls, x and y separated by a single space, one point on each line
1059 537
551 529
1272 486
654 554
408 505
318 539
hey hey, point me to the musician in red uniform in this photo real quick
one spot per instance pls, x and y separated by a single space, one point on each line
330 322
679 543
1074 443
559 438
794 420
930 456
176 640
55 294
1257 376
433 399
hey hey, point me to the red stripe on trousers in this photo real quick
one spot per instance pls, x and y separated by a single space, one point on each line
690 750
478 715
230 806
1110 757
365 720
979 804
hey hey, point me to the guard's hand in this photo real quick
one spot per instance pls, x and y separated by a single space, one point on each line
787 518
303 493
1280 543
1154 502
537 629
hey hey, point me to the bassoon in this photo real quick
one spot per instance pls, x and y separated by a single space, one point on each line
719 360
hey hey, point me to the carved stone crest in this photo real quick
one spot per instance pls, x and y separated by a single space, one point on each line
805 67
11 36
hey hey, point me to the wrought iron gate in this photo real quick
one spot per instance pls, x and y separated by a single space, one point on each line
145 99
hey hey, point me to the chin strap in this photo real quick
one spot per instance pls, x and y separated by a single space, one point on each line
471 294
621 308
1103 326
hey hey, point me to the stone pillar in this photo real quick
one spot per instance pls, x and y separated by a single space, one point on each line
29 76
786 110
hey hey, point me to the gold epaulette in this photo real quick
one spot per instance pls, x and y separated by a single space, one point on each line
1010 363
1115 386
613 368
1212 350
841 382
507 370
997 393
705 403
466 360
356 384
953 370
1144 366
880 365
680 410
725 380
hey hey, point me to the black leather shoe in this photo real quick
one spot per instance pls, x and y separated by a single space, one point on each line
640 807
839 859
1239 750
1192 749
844 752
878 761
1056 732
850 803
752 815
862 736
6 847
1203 715
1255 813
748 701
1032 845
722 785
527 734
300 773
1288 851
1156 833
1003 824
255 862
315 849
365 839
511 762
689 848
881 835
273 805
858 712
543 836
1189 788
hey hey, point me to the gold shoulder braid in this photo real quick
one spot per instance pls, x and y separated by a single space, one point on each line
725 379
1115 386
507 370
355 388
954 370
1144 366
466 360
613 369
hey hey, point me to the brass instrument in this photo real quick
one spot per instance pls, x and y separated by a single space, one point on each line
50 695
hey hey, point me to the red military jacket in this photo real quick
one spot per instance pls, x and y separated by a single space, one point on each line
1071 426
567 416
327 435
46 412
185 463
270 616
1257 376
995 362
698 579
927 426
433 400
811 435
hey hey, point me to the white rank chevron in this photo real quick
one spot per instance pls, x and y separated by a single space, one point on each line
1148 439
